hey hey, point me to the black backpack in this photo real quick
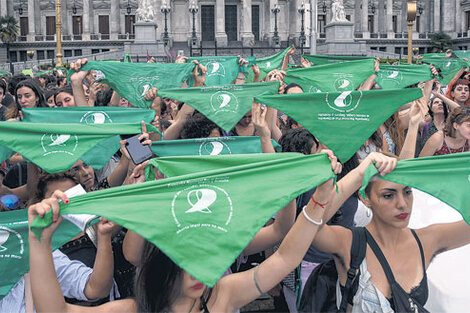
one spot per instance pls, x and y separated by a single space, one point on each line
319 294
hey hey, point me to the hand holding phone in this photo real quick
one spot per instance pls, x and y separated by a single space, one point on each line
138 152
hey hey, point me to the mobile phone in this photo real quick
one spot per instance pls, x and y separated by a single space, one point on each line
139 153
180 53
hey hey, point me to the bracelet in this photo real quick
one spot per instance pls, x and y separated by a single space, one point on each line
322 205
310 219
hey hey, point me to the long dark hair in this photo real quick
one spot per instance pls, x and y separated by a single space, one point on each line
31 84
158 281
444 106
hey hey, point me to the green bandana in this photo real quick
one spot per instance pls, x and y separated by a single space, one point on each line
267 64
56 147
14 245
220 70
98 156
329 59
209 146
448 66
88 115
446 177
204 220
347 76
133 80
401 76
224 105
342 121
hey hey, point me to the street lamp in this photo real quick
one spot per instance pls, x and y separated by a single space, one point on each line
74 8
372 7
20 8
128 8
411 16
301 10
275 11
324 7
193 10
165 10
59 34
30 54
420 9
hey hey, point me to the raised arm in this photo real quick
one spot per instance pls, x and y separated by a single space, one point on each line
262 128
101 280
330 239
241 288
47 295
76 81
416 117
370 81
270 235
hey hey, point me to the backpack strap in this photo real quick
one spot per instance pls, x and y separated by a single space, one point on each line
358 253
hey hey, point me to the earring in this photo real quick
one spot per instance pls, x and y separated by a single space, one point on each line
369 212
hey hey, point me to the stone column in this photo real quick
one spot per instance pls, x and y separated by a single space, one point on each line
458 16
427 16
86 20
448 16
31 20
220 34
114 20
64 15
246 32
381 17
3 8
365 18
357 16
437 16
390 18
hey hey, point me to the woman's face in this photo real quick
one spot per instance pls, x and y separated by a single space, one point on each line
26 97
437 106
191 287
460 93
390 202
463 129
84 174
65 100
50 102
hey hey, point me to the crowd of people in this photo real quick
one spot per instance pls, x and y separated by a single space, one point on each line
112 269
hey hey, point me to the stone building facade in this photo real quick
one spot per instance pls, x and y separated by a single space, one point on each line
94 26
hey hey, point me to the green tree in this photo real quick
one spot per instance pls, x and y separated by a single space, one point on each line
441 42
8 33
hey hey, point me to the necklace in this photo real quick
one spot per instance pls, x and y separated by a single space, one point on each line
192 306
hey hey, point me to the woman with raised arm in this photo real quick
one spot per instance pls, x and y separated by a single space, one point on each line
454 138
407 252
161 286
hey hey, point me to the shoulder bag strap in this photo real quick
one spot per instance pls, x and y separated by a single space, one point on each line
358 253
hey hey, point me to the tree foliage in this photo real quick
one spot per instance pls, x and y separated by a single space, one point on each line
441 42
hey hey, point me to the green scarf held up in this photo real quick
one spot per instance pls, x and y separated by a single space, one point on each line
329 59
209 146
133 80
220 70
204 220
100 154
446 177
448 66
14 245
267 64
56 147
401 76
224 105
347 76
342 121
